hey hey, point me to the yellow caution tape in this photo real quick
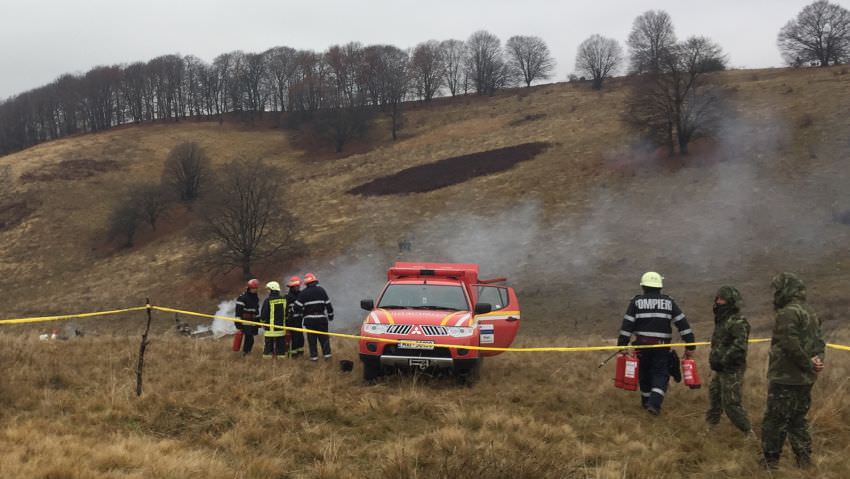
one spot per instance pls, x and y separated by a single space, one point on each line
381 340
70 316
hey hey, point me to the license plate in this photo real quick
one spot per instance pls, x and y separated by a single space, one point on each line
419 363
428 345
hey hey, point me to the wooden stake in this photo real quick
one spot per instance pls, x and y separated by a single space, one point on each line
142 346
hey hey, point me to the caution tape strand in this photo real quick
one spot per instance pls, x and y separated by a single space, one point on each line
376 339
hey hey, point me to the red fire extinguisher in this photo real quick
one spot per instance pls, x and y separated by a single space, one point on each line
237 341
627 372
690 374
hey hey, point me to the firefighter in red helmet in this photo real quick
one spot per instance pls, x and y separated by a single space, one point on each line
293 318
316 310
247 308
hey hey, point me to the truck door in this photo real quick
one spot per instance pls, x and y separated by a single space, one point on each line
498 327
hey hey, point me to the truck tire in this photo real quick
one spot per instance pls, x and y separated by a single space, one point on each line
469 373
371 368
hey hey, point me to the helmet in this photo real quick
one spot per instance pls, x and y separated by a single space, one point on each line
294 281
310 278
652 279
273 285
253 284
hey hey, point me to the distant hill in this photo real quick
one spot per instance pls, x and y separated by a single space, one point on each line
573 227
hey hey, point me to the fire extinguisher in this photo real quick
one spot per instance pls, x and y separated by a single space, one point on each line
237 340
627 372
690 374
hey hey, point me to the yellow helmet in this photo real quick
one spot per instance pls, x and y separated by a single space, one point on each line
652 279
273 285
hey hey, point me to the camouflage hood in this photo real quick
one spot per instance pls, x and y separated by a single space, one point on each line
730 294
787 287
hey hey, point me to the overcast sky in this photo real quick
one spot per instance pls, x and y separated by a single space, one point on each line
41 39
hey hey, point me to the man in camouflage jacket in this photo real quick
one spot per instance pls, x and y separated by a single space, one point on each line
796 358
728 360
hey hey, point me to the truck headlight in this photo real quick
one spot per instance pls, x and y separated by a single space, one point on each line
375 328
459 332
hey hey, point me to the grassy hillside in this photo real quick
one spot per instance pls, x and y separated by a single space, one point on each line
573 228
581 220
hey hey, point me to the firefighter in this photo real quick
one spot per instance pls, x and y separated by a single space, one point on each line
273 317
796 358
293 318
728 360
648 319
315 308
247 308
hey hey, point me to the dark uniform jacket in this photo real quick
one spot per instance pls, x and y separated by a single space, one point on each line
797 336
247 308
313 303
649 318
293 317
273 314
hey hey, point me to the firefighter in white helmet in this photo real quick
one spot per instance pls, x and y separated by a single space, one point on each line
648 321
273 317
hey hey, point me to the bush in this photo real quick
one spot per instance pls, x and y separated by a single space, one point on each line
124 222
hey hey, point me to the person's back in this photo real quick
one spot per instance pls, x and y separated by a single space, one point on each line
648 319
315 308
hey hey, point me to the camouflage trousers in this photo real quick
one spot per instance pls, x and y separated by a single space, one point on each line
787 407
724 395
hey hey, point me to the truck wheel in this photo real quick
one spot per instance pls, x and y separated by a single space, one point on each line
372 368
468 375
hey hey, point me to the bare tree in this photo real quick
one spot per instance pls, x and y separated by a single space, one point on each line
396 85
651 36
485 65
151 201
679 103
186 170
246 218
820 33
454 55
427 69
530 59
599 58
341 125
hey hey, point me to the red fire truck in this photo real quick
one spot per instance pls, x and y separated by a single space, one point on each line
427 306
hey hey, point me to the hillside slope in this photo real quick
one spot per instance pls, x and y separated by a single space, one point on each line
573 227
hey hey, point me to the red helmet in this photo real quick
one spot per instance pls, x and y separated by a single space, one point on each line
253 284
294 281
310 278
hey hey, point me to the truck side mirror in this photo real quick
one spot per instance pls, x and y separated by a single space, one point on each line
367 304
483 308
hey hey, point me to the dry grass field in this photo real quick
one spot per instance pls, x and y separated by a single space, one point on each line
573 228
69 411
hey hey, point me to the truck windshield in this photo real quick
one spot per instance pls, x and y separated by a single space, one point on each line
424 296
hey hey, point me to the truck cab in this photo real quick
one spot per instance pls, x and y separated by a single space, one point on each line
425 307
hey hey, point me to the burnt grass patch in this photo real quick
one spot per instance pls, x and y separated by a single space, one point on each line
450 171
75 169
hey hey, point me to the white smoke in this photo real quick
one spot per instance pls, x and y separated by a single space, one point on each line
221 327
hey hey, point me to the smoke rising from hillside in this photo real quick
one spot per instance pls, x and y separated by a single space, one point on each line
701 225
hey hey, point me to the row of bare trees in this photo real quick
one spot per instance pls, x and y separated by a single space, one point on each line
174 87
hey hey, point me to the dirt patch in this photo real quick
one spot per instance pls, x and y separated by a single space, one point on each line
450 171
76 169
527 119
12 214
